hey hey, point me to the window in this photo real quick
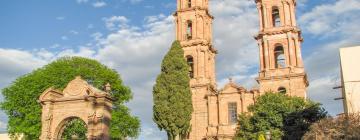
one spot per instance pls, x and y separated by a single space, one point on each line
189 30
282 90
189 3
232 109
280 57
276 17
190 61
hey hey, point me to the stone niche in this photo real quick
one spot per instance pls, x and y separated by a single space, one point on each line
78 100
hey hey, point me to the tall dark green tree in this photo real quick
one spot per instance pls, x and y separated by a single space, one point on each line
284 116
172 95
20 98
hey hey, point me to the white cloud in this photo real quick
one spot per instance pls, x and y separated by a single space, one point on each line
116 22
73 32
54 46
44 54
329 19
60 18
64 38
17 62
235 25
135 1
82 1
90 26
99 4
321 90
335 25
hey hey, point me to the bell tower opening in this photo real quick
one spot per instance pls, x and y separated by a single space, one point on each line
189 30
282 90
276 17
280 61
190 61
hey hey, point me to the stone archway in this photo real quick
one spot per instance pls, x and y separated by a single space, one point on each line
59 131
80 100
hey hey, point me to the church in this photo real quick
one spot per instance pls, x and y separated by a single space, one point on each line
281 66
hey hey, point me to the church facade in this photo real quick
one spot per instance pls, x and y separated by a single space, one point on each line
281 67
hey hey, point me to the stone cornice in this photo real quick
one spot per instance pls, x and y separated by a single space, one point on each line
76 98
194 42
281 77
276 31
294 1
196 8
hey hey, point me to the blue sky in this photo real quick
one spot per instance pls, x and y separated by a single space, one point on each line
40 24
132 36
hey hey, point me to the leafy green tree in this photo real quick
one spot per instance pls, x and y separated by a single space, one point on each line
284 116
20 98
261 137
172 95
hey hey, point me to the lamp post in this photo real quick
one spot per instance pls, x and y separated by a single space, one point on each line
268 135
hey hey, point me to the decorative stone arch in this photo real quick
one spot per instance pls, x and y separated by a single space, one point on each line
61 126
77 100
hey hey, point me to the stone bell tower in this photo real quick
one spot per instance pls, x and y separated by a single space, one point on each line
279 40
193 30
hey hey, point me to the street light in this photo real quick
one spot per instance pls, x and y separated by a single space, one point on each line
268 135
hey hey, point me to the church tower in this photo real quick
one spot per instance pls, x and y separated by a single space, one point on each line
194 31
279 40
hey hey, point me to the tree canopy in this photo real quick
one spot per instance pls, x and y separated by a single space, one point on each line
284 116
344 127
172 95
20 98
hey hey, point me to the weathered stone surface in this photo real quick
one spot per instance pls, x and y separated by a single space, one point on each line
78 100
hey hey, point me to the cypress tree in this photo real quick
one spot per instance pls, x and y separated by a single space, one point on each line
172 95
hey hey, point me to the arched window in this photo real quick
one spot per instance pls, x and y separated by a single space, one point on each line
190 61
279 56
189 30
282 90
189 3
276 17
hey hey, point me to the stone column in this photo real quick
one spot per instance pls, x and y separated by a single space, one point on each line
267 60
292 56
177 28
261 51
46 119
265 13
259 7
201 61
287 13
298 53
206 63
195 25
292 12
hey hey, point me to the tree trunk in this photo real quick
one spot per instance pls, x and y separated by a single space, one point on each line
171 137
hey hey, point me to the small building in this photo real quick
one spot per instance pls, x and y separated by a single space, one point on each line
350 78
